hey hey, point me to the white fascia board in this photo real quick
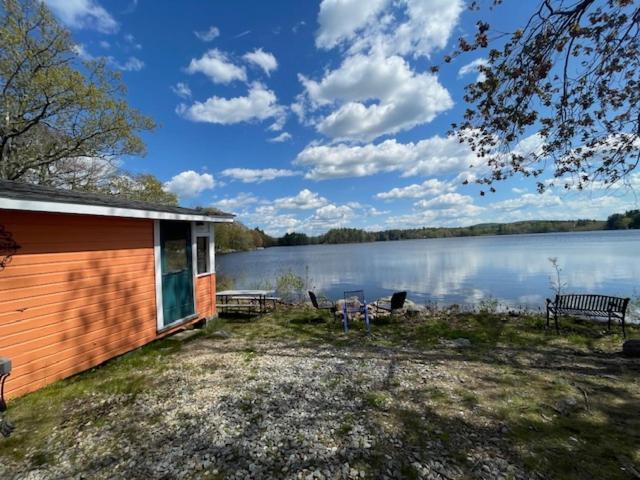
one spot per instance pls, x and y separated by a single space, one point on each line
100 210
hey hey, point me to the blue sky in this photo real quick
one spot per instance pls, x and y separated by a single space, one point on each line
304 115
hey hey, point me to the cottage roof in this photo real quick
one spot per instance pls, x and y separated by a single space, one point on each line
23 196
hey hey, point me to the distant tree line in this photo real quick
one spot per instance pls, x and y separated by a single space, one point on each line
355 235
623 221
236 236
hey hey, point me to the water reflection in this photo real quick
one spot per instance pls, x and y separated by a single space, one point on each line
512 269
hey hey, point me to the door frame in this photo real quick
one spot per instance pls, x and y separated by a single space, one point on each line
157 254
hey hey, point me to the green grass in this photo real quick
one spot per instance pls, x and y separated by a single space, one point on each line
378 400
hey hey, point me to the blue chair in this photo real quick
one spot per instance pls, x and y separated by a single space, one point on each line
354 303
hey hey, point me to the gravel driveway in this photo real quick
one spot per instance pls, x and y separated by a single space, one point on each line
231 409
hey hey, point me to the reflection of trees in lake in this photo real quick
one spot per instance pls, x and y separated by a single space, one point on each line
512 269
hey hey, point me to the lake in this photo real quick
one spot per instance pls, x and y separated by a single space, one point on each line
514 269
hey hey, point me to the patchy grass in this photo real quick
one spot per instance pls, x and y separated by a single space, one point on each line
484 330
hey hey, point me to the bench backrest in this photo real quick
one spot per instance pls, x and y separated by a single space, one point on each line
600 303
354 301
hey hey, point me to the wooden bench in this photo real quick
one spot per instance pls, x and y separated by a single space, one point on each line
599 306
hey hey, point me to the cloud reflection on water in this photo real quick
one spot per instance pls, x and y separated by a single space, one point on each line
513 269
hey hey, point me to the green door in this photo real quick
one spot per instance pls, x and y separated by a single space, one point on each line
177 273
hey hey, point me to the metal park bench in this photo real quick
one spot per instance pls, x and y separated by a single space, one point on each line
598 306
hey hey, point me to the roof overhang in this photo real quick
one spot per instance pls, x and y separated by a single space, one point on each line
105 211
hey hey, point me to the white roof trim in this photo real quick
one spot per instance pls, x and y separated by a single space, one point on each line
101 210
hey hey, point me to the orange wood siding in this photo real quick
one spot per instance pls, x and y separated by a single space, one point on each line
206 294
80 290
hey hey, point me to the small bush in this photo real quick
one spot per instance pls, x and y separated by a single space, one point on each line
290 287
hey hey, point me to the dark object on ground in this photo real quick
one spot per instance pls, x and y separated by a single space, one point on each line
326 304
396 303
600 306
6 427
631 348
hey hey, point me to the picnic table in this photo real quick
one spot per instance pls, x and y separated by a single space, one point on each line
249 301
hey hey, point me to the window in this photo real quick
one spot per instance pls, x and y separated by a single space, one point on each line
202 244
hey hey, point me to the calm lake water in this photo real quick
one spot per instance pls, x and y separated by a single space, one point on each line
513 269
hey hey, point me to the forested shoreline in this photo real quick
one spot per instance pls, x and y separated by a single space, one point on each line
238 237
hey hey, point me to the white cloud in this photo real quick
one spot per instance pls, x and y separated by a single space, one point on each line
208 35
339 19
428 188
298 108
445 201
131 7
181 89
233 204
298 26
378 95
536 200
449 209
217 66
283 137
131 40
189 184
132 64
305 200
279 122
259 104
81 50
416 27
83 14
564 206
104 44
250 175
435 155
328 216
265 60
472 67
271 221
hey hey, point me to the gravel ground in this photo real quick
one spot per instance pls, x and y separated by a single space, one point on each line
232 409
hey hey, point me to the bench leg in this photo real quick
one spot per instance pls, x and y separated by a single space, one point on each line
624 333
609 321
555 319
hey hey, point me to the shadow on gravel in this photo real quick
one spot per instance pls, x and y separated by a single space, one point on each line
354 409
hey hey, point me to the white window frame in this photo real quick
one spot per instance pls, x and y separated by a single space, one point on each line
205 231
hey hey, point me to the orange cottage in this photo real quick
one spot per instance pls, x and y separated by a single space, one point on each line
89 277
